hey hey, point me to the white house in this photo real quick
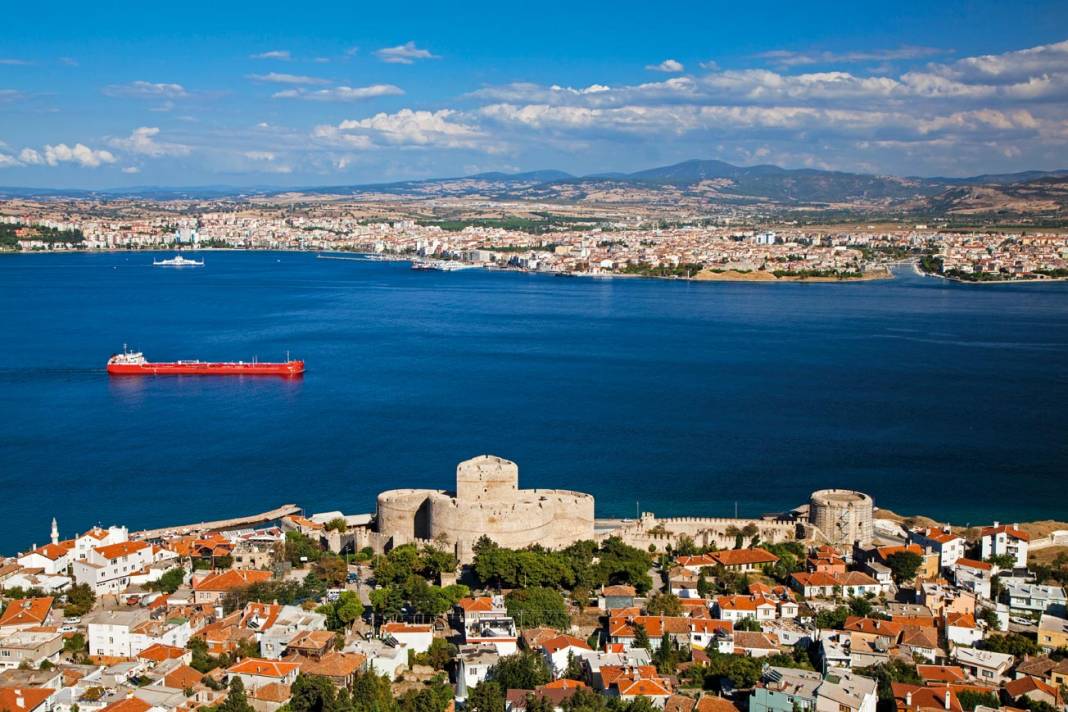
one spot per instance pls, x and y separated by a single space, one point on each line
1035 598
737 608
943 542
29 647
382 659
962 629
255 673
843 691
50 558
125 633
473 666
107 569
974 576
1001 540
559 649
98 536
275 626
47 583
985 665
415 637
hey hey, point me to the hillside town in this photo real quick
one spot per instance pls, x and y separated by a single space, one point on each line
835 606
608 245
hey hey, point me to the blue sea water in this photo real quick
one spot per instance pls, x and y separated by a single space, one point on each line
672 397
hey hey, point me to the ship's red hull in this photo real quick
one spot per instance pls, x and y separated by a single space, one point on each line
196 368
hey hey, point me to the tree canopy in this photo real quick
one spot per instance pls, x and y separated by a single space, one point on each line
531 607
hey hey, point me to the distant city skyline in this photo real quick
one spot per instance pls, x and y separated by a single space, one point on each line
283 95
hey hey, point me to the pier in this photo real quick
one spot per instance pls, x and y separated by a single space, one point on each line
250 520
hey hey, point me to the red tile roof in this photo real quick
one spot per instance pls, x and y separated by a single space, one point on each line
182 677
23 699
230 579
129 704
157 653
262 668
27 611
1007 529
973 564
744 557
114 551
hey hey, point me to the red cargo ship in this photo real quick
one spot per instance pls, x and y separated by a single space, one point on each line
133 363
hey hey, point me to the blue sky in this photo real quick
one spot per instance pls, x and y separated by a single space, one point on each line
319 94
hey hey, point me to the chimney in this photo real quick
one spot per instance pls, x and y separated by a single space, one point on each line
20 701
996 523
947 697
908 699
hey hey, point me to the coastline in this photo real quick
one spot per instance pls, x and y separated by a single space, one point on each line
884 273
956 280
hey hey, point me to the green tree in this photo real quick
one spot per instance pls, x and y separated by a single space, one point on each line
341 613
300 549
641 637
531 607
235 701
485 697
886 674
748 624
860 607
169 581
434 698
312 693
990 617
703 587
332 570
585 700
832 618
312 588
1002 561
80 600
574 669
970 698
1011 643
372 693
521 671
667 656
440 653
386 602
904 565
75 644
663 604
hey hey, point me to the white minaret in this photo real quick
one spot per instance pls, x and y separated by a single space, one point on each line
55 531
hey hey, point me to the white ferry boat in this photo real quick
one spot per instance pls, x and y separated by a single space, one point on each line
178 261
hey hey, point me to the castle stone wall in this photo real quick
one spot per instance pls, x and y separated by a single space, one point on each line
487 502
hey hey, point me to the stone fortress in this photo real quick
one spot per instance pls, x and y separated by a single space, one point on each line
487 502
842 517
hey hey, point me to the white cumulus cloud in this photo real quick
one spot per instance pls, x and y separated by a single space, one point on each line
78 153
282 54
668 65
143 142
281 78
406 53
341 93
147 90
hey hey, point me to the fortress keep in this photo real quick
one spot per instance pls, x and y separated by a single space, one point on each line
487 502
842 517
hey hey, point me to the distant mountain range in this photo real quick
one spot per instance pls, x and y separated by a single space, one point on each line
693 182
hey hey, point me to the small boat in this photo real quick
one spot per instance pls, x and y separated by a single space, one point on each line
178 261
441 265
134 363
